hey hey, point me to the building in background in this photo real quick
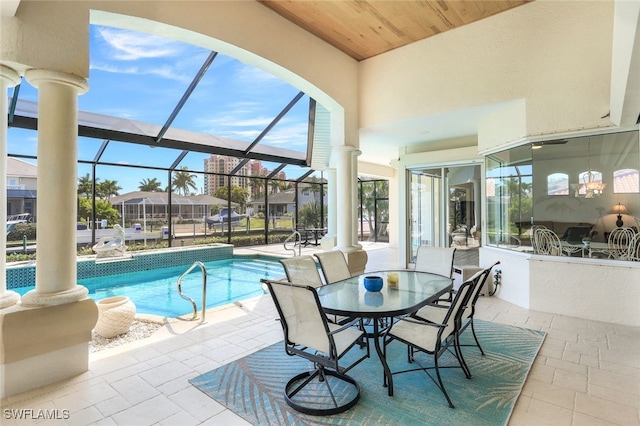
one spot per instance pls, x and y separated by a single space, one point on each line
21 187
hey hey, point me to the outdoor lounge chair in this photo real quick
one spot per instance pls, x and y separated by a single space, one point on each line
326 389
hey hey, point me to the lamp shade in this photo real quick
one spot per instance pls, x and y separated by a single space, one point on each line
619 209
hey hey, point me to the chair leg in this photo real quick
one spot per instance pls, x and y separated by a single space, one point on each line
458 350
442 388
473 331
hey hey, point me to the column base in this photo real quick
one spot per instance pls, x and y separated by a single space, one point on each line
9 298
34 298
357 261
328 242
43 345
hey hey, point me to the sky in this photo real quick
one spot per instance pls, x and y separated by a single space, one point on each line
142 77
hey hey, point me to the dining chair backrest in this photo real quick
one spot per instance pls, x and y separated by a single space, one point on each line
436 260
334 266
619 242
634 248
547 242
301 316
458 304
480 278
302 270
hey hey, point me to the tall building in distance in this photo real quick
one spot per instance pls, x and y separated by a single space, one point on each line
224 165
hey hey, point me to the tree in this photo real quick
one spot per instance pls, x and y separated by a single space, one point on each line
150 185
104 210
85 185
183 180
309 215
107 188
239 195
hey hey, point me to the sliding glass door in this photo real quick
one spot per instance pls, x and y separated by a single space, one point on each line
444 207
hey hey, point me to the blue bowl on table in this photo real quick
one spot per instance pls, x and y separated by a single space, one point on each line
373 283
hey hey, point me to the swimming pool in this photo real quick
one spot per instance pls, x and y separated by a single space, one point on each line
156 291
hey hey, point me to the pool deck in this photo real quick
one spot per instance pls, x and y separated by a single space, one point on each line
587 372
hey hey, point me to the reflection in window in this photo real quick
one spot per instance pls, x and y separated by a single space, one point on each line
588 178
625 181
558 184
513 176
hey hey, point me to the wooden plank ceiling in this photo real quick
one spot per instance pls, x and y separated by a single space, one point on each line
365 28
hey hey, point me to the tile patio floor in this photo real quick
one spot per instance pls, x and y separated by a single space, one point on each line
587 372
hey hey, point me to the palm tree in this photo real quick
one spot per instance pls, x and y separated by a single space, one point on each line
108 188
85 185
183 180
150 185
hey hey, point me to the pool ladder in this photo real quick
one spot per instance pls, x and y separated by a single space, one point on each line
297 242
204 290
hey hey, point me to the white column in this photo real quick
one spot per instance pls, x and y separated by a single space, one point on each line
329 239
57 188
355 202
8 78
344 197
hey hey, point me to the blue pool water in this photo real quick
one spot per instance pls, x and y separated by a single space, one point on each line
156 291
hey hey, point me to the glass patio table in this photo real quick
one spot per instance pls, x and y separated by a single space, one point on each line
413 291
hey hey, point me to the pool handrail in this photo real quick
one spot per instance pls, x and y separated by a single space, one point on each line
204 290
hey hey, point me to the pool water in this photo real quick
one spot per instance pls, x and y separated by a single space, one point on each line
156 291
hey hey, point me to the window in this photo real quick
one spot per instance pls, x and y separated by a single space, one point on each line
625 181
558 184
522 188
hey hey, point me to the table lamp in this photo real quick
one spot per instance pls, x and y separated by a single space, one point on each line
619 209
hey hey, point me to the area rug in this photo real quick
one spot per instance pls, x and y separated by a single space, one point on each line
252 387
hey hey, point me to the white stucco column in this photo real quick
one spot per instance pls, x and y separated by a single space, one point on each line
355 202
8 78
345 212
57 188
329 239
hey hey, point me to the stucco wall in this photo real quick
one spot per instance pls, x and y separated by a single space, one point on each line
606 290
555 55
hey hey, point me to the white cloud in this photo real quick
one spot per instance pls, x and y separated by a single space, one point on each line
131 45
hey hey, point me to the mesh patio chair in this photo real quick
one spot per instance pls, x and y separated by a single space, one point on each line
436 313
326 389
303 270
431 338
619 243
334 266
436 260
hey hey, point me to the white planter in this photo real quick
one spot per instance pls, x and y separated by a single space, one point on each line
115 315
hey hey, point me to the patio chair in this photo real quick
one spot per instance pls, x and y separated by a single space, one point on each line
302 269
432 338
334 266
619 243
326 389
436 312
436 260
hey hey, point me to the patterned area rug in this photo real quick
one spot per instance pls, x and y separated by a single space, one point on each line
253 386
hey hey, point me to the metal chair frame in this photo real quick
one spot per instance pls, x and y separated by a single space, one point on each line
325 355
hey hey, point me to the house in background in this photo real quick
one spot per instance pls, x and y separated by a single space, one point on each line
21 187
